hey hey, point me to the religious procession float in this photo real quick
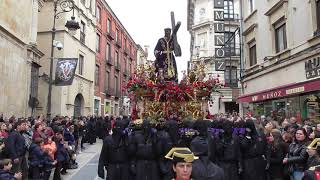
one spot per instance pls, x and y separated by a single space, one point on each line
154 90
153 97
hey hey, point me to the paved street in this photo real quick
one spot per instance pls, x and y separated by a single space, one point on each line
88 163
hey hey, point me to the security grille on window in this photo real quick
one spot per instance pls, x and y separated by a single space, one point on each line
252 54
280 37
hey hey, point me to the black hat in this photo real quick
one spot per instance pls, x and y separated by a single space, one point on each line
181 155
167 29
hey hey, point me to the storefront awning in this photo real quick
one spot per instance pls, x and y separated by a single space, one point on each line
282 91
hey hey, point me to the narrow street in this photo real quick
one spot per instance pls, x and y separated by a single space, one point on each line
88 164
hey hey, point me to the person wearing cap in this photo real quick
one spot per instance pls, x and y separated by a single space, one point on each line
313 171
182 162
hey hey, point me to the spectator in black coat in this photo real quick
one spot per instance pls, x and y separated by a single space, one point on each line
277 153
17 149
5 173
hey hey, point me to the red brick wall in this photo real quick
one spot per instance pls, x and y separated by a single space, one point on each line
101 56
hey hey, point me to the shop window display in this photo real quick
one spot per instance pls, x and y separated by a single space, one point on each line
311 107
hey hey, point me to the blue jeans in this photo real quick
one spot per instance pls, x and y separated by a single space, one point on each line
296 175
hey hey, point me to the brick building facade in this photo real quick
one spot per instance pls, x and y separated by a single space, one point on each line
115 62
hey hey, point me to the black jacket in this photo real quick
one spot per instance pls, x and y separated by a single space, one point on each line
6 175
16 145
277 154
298 156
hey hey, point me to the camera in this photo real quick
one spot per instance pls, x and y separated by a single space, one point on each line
58 45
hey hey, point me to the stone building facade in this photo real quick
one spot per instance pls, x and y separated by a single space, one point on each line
215 43
19 57
282 58
78 98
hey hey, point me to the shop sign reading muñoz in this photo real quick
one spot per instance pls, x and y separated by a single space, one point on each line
312 67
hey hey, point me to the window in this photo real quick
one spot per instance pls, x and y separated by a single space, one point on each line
83 2
230 76
96 107
130 68
98 43
116 55
108 25
125 43
229 39
116 83
125 63
252 54
318 15
228 9
251 5
107 80
117 35
281 39
108 52
98 14
34 80
80 64
82 32
96 75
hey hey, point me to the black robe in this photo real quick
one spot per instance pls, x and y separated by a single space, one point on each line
164 145
165 59
255 154
115 157
144 165
229 156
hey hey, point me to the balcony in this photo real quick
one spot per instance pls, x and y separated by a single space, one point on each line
109 61
118 43
117 66
109 91
82 37
110 35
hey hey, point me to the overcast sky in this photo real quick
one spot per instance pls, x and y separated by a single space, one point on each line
145 21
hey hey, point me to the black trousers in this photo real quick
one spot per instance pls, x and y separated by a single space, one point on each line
56 175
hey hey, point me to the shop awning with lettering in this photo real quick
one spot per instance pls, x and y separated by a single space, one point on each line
283 91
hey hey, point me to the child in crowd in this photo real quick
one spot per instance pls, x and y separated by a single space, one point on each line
5 174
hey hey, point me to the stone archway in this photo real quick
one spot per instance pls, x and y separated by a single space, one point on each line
78 105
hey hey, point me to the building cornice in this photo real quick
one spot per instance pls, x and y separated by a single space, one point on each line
250 15
64 31
275 7
249 29
282 63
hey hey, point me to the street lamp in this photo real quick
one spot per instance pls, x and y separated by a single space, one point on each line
72 25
